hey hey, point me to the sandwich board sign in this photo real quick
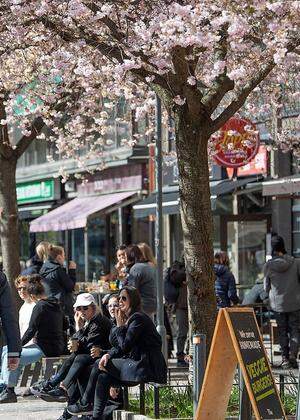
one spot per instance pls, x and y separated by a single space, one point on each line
237 340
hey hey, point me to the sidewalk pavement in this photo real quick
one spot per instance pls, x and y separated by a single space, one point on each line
31 408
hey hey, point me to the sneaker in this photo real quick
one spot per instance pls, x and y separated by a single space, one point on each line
8 396
54 395
182 363
65 415
79 409
42 386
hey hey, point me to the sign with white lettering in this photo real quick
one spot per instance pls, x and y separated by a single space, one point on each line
237 340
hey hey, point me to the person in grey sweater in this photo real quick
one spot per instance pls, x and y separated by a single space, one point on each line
282 283
141 275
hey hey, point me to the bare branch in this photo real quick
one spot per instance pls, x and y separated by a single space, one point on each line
25 141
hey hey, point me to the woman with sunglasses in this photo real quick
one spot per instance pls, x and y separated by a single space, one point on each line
25 312
43 337
135 358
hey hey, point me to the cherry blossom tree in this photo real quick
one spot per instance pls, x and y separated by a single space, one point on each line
204 59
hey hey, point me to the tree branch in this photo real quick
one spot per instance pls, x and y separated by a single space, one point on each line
243 94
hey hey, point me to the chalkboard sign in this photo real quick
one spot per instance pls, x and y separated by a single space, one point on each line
237 340
257 372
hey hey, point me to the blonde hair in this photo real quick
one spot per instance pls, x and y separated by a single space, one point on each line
42 250
147 253
54 251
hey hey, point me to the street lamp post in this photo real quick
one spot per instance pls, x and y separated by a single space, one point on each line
159 231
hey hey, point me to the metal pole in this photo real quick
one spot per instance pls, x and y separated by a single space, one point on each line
86 254
199 362
245 412
159 232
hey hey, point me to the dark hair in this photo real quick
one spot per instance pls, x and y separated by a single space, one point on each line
134 298
134 254
221 257
55 251
121 248
35 286
277 244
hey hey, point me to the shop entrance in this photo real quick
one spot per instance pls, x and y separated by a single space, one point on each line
244 238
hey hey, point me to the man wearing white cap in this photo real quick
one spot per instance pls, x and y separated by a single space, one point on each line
91 337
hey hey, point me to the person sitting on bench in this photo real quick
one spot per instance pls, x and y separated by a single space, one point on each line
135 358
91 337
46 327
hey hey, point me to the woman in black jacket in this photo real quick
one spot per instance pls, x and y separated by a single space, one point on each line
58 283
46 326
225 286
135 358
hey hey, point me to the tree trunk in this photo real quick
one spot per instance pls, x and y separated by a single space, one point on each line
196 216
9 230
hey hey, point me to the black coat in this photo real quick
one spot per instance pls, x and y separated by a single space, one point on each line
94 333
139 344
47 324
59 284
225 287
9 322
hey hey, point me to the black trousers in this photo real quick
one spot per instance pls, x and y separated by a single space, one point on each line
99 384
289 333
72 369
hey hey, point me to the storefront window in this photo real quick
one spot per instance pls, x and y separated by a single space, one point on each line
296 228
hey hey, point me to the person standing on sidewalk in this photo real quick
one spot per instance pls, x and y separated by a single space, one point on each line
282 283
9 325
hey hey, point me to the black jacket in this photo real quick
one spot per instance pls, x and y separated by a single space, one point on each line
138 340
225 287
8 319
47 326
59 284
94 333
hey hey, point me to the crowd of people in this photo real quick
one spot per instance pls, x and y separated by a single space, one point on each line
117 344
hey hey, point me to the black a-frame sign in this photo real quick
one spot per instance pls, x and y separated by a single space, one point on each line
237 340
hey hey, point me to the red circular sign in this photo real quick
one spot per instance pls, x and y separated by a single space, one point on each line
236 143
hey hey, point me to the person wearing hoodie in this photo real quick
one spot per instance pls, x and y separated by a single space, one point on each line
225 287
57 282
46 327
282 283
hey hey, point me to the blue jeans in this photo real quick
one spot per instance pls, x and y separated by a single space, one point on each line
29 355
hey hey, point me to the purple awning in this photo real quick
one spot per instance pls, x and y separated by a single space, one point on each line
74 214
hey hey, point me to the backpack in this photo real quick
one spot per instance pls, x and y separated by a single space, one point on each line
173 279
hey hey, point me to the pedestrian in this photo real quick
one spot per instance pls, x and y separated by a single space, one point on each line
175 277
46 326
10 325
136 358
282 283
142 276
225 287
25 312
58 283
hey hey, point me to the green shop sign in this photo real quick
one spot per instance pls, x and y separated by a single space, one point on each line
32 192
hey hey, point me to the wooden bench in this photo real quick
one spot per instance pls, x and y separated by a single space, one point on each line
45 368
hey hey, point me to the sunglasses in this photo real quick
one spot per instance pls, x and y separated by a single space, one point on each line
113 305
22 288
82 308
123 298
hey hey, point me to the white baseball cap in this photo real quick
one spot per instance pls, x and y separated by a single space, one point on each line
84 299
